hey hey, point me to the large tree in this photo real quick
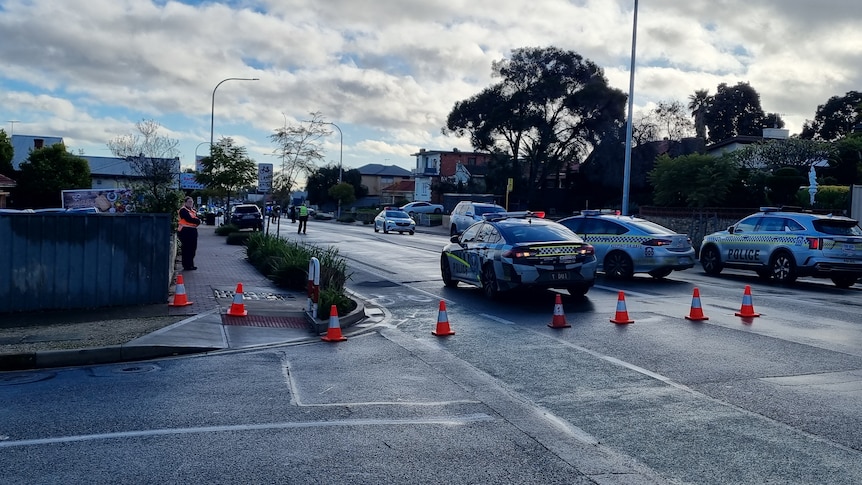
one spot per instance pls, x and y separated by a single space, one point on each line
229 169
698 104
550 108
734 111
322 179
692 180
46 173
154 159
835 119
667 120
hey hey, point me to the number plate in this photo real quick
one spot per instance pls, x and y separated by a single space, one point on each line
560 276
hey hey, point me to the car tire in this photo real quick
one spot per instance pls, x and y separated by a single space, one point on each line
385 230
844 281
710 259
660 273
446 273
618 265
489 282
376 229
412 232
783 267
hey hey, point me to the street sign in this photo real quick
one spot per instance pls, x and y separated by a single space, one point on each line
264 177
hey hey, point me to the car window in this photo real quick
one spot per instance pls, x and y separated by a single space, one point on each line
601 226
471 233
488 209
650 227
771 224
488 234
397 214
838 227
791 225
746 225
574 224
246 209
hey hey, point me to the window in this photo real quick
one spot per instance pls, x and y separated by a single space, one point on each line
746 225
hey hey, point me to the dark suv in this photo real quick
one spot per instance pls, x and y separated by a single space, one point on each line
246 216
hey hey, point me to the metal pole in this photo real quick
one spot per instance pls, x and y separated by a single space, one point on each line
628 159
212 115
340 162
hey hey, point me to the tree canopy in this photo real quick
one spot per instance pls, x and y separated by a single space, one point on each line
46 173
835 119
6 154
692 180
734 111
228 169
322 179
550 108
300 149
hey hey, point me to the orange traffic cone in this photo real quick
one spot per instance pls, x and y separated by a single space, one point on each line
180 298
237 308
622 316
333 333
559 320
747 310
696 313
443 329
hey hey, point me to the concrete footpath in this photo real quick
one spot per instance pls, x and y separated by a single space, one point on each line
275 315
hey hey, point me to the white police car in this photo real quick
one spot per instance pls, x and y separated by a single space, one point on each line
394 220
626 245
783 244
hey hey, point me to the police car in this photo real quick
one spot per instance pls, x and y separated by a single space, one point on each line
515 250
626 245
783 244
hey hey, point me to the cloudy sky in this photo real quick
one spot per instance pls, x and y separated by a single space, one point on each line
387 72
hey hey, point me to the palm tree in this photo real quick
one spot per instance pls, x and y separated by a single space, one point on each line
699 104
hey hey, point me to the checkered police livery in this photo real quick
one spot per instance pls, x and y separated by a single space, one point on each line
516 250
626 245
784 244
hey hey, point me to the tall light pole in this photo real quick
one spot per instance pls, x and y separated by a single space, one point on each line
212 112
628 161
340 160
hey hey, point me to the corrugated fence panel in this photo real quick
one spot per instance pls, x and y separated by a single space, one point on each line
75 260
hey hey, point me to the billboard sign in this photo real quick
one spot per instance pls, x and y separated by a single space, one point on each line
105 200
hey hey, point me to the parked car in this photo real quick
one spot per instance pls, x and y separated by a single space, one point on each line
626 245
419 207
246 216
504 253
784 244
394 220
468 212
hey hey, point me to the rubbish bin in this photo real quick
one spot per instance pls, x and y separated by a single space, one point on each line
209 218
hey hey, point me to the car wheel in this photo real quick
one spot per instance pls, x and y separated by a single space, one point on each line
844 281
710 260
412 232
438 211
453 231
783 267
385 230
375 228
618 265
446 272
489 282
580 290
660 273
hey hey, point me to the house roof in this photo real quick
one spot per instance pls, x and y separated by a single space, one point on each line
109 166
401 186
384 170
6 181
23 144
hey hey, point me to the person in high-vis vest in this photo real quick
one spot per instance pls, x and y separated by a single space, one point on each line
187 231
303 219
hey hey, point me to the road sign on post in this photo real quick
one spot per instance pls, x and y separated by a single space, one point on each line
264 177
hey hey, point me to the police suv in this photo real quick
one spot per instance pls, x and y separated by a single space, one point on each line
783 244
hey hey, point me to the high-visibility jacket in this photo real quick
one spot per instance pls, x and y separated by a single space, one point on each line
303 211
183 222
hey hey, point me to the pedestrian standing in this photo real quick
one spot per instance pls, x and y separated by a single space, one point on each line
292 211
187 231
303 219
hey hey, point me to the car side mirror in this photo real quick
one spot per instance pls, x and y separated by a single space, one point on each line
730 229
454 239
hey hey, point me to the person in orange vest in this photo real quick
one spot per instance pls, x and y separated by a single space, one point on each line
187 231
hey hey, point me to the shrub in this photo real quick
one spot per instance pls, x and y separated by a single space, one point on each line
286 262
225 229
238 238
329 297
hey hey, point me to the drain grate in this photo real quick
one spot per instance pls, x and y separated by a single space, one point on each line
265 321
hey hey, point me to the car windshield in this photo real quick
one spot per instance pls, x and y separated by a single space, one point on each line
397 214
838 227
650 227
246 208
488 209
528 233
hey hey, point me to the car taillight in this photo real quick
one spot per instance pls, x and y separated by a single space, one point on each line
518 253
657 242
814 243
588 250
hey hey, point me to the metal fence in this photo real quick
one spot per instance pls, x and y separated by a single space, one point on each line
57 261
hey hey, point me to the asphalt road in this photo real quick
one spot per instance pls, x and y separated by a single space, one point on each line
506 399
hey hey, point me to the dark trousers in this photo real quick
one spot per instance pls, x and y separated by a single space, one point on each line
189 240
303 224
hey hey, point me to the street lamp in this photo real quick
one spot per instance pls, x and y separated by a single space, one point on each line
628 161
212 113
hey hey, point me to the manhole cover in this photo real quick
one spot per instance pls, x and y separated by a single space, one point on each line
136 369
